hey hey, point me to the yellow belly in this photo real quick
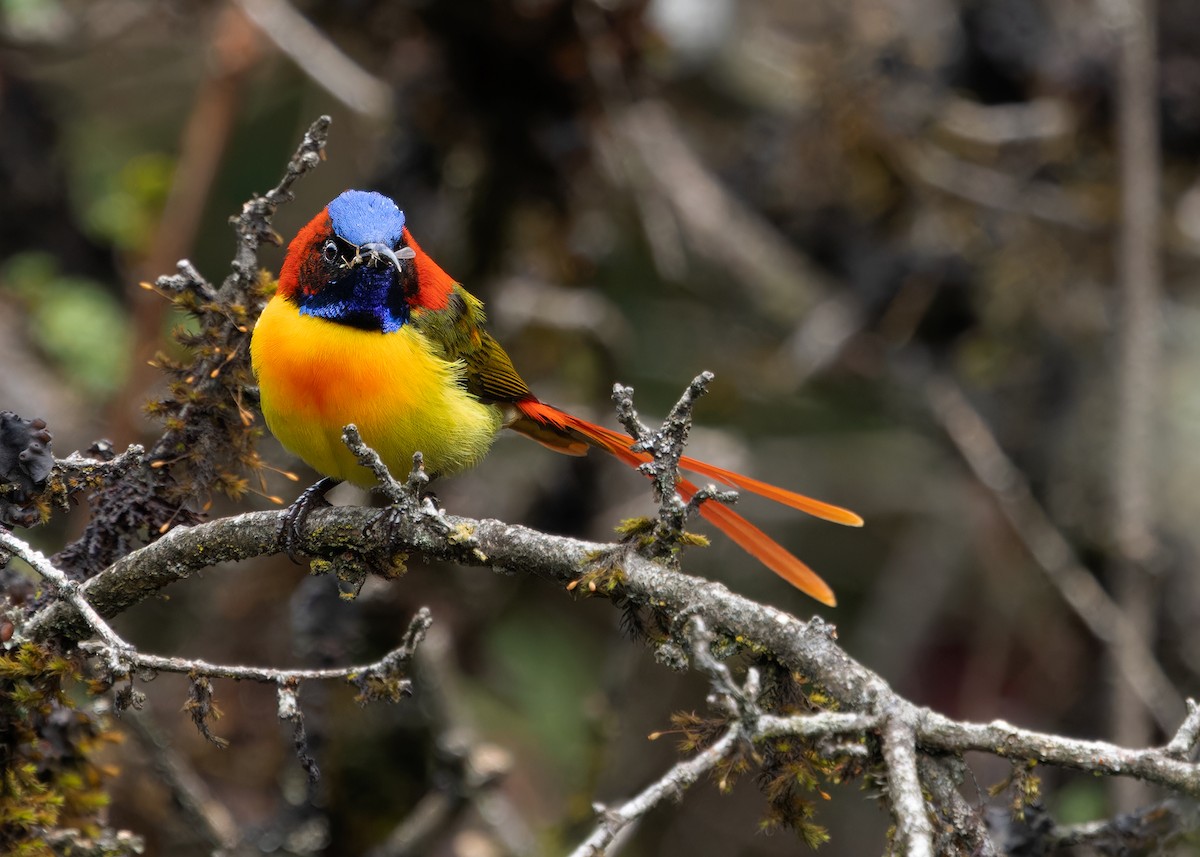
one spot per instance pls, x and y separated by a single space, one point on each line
315 376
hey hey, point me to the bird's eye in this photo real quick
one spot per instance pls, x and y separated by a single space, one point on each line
330 251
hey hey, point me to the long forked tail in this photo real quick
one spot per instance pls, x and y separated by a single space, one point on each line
565 433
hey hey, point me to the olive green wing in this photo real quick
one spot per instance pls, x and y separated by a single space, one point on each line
490 373
458 331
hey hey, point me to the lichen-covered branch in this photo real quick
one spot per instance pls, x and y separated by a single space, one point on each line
867 704
805 646
914 832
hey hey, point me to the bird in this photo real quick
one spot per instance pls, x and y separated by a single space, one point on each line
366 328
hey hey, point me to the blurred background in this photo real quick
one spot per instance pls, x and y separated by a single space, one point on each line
898 231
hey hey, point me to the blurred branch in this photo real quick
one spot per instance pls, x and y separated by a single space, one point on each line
648 156
201 811
108 843
233 53
470 770
680 200
1104 617
1139 274
1140 361
1150 829
994 125
319 58
994 189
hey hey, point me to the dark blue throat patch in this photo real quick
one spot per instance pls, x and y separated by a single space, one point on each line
367 298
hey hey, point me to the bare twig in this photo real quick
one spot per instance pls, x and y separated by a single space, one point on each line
914 832
738 700
356 674
1154 765
814 725
288 694
665 445
865 700
117 650
671 785
402 494
121 658
253 225
807 647
1183 744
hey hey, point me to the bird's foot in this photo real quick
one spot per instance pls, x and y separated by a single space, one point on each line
313 497
423 508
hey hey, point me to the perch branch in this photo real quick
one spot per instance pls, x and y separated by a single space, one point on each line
808 647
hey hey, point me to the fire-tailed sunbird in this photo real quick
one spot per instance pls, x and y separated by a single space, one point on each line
365 328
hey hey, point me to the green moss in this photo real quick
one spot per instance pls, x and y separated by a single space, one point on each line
47 752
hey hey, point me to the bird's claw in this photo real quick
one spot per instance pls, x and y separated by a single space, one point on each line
424 507
313 497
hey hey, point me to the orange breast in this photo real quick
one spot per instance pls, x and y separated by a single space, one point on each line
315 376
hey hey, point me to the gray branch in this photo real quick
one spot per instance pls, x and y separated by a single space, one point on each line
808 647
867 705
914 831
670 785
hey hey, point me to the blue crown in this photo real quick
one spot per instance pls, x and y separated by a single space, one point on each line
364 217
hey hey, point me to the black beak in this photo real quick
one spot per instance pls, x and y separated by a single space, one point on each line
375 251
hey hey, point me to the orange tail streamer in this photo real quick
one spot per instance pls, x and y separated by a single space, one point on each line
536 416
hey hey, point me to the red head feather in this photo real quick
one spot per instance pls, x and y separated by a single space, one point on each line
314 234
433 284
